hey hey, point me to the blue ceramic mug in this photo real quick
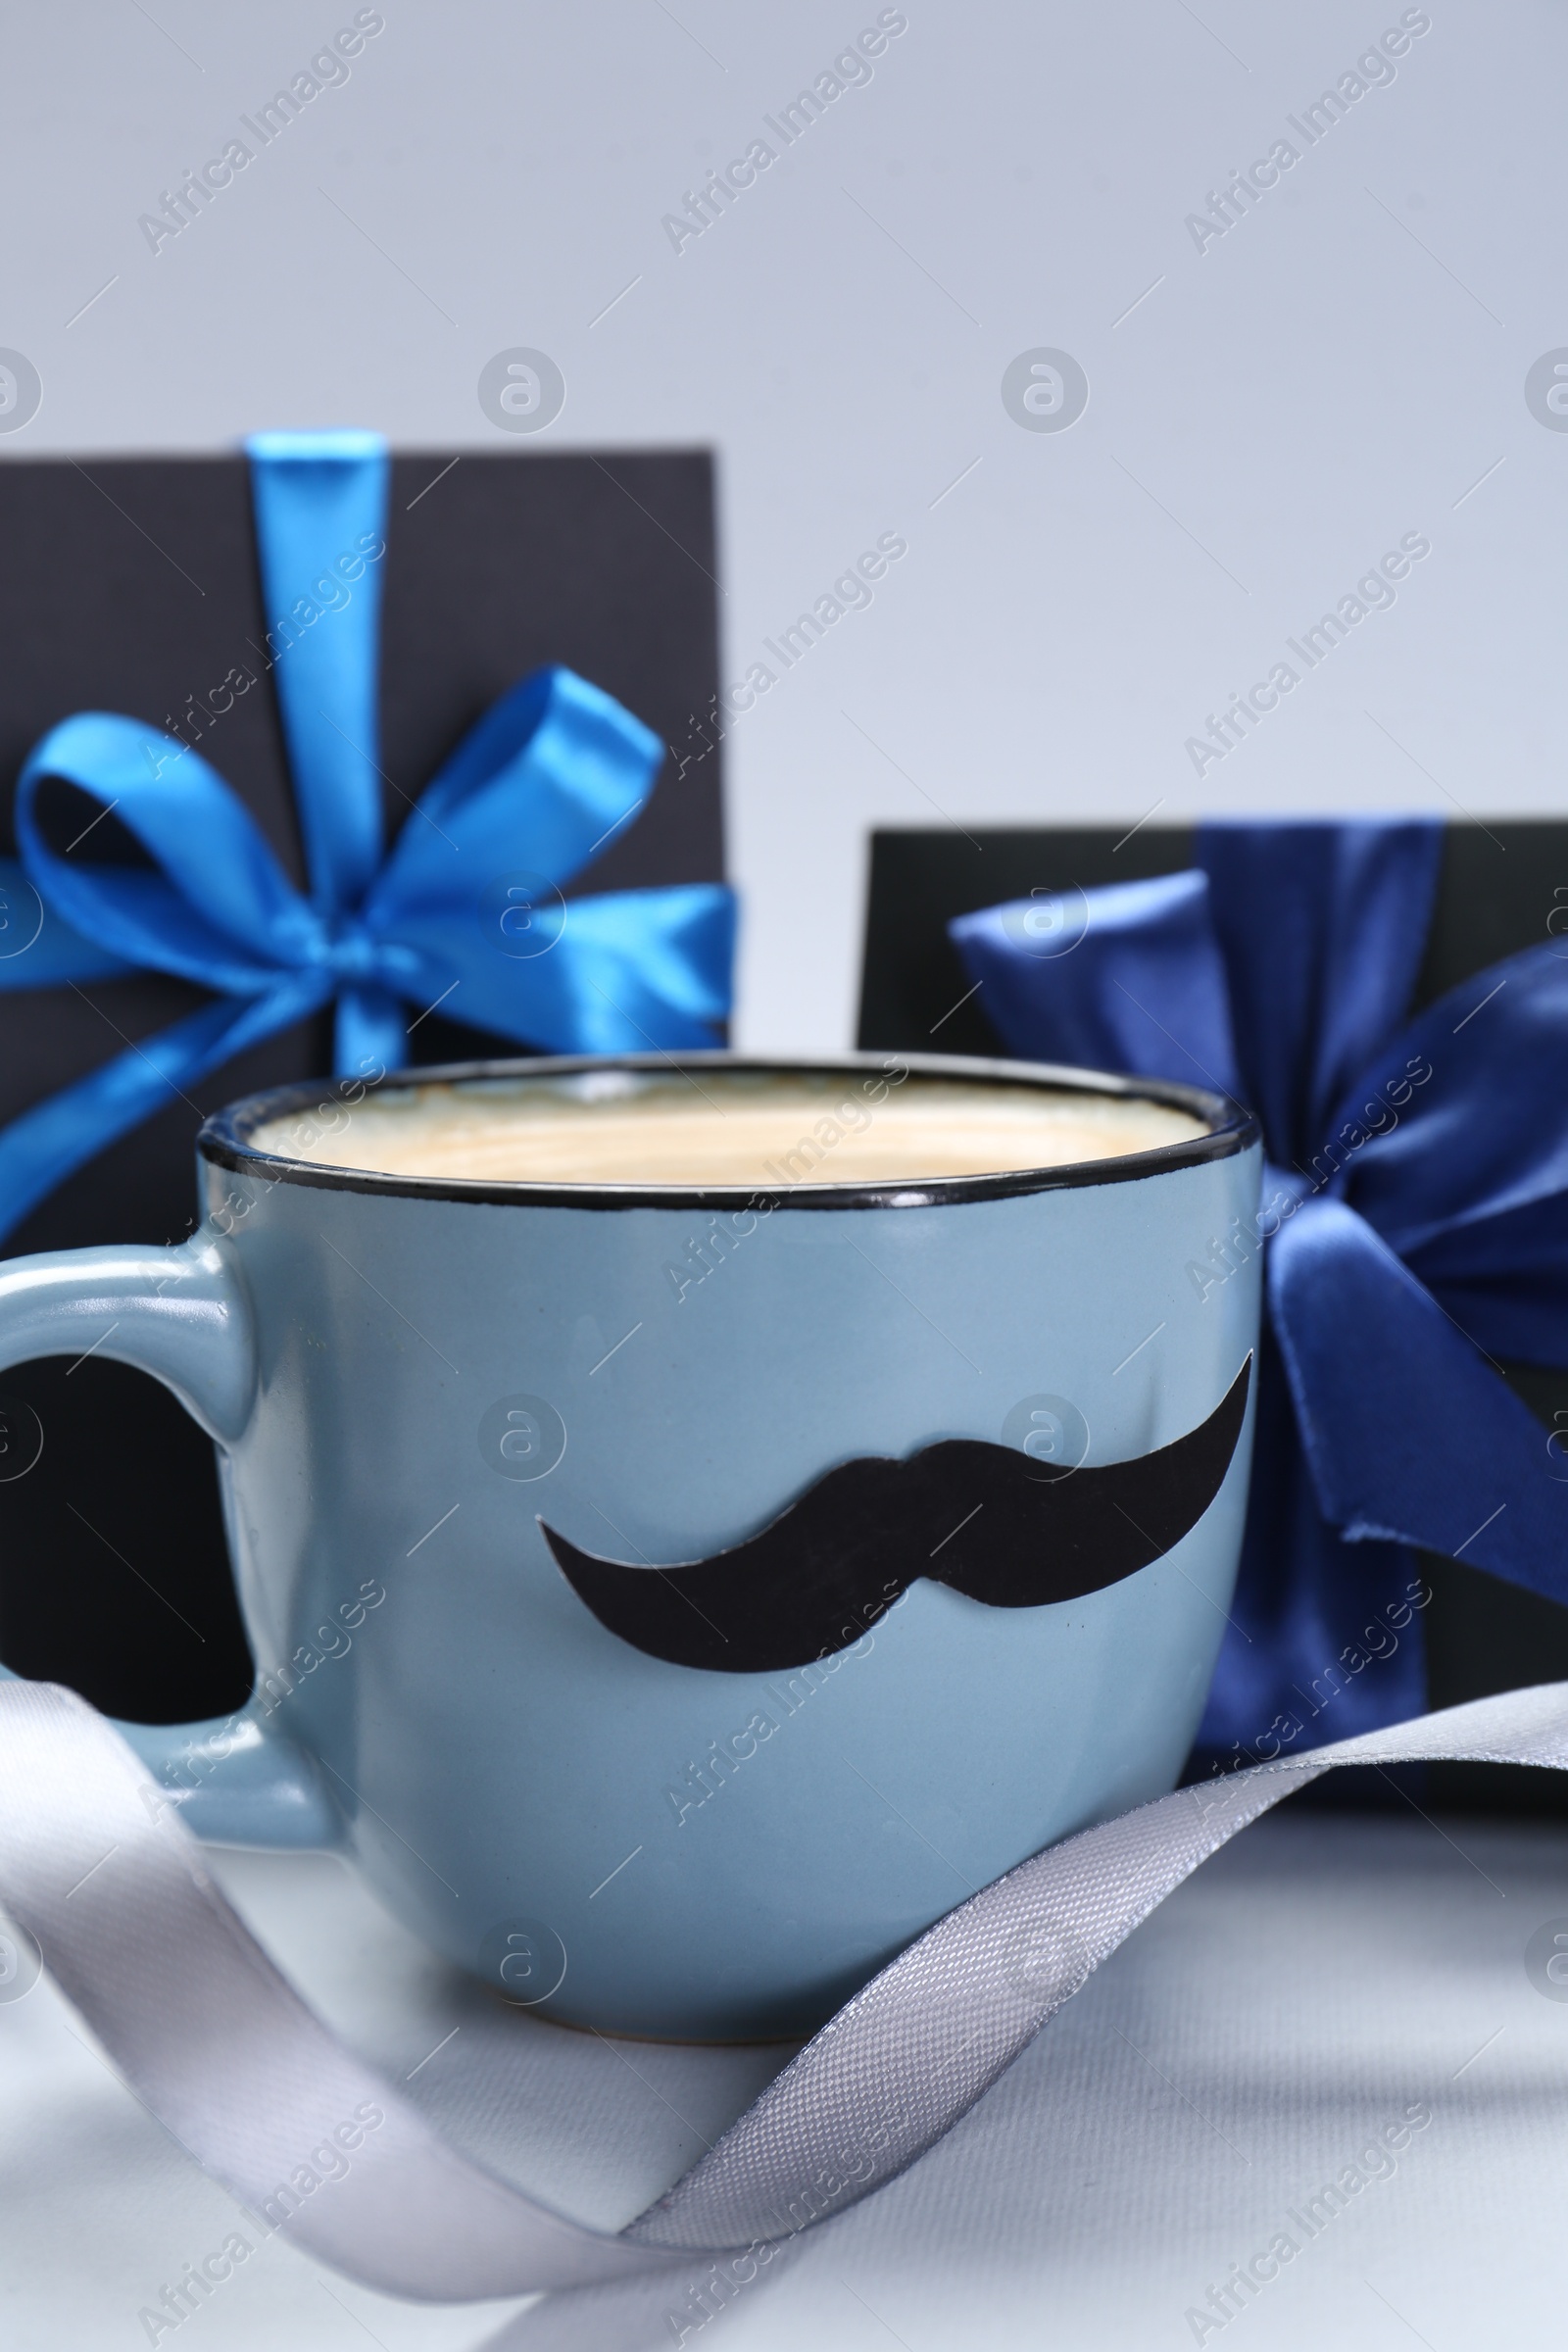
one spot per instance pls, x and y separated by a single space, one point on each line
674 1599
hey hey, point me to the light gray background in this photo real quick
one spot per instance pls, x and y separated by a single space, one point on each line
1338 370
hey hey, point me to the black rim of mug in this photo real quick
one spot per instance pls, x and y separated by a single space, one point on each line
224 1140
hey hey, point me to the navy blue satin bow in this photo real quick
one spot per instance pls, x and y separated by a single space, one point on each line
464 912
1415 1216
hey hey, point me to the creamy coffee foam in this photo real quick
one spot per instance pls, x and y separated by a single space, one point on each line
730 1128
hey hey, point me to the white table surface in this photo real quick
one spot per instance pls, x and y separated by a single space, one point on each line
1319 1977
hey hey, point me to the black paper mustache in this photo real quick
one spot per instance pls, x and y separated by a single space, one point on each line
988 1520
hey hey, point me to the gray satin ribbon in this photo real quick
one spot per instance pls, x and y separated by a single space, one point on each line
96 1866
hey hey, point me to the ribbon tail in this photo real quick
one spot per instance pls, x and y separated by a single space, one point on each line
1409 1436
50 1142
222 2048
371 1034
211 904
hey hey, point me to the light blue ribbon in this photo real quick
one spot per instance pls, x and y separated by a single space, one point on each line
464 911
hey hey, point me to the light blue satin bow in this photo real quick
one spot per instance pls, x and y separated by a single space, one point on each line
464 911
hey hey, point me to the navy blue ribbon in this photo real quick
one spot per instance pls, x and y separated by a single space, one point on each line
1414 1222
464 911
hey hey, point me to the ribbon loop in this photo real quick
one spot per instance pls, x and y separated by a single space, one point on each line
644 970
218 909
541 781
1415 1213
1468 1179
1133 982
38 948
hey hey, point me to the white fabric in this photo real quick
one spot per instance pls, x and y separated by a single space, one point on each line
198 2019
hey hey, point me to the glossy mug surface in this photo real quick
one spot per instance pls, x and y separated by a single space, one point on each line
676 1597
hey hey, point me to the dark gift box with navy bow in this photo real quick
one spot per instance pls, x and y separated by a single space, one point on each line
1390 996
321 760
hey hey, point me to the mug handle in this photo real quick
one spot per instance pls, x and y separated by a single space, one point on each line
184 1315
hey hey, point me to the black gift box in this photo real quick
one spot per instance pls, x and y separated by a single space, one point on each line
1501 886
131 585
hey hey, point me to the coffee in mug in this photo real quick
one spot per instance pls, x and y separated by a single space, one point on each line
730 1127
